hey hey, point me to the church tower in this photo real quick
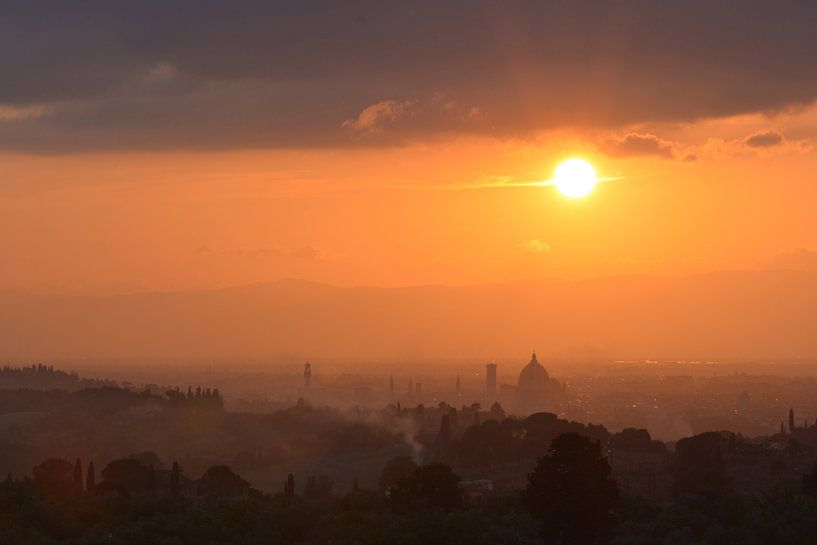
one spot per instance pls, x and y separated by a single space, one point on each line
490 380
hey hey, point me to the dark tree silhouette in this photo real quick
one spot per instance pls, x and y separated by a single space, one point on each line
221 482
810 482
289 486
395 469
318 487
698 465
90 479
637 440
427 487
175 477
54 477
445 431
78 476
127 474
147 458
497 411
151 479
572 493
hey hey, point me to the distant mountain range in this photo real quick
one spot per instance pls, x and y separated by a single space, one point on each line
735 314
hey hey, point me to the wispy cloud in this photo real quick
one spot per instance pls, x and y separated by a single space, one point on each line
374 117
15 113
499 182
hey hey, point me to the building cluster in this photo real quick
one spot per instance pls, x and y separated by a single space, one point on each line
534 391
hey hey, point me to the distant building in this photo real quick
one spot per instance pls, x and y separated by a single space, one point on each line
536 390
490 380
534 376
307 375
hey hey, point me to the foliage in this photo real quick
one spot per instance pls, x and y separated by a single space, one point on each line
637 440
363 518
699 466
55 477
127 474
571 492
318 487
427 487
496 442
395 469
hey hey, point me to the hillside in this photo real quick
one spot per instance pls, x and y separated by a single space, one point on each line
739 314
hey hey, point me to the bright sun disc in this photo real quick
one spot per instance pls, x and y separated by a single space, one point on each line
575 178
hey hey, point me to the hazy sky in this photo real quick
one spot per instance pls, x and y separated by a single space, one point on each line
174 145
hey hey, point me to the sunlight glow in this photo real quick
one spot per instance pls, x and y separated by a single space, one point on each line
575 178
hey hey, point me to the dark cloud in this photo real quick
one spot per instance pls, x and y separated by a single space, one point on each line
764 139
253 73
642 144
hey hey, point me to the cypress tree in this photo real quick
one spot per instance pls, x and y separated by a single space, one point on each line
78 476
174 480
289 486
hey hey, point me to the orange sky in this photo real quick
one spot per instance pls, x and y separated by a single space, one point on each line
165 146
94 222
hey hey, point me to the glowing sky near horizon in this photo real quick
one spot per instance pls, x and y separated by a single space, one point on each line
197 157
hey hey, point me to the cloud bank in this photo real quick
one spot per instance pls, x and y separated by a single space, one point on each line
764 139
208 74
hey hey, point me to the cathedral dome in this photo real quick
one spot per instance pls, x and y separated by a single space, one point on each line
533 376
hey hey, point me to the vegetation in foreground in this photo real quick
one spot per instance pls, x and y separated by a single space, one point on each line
570 498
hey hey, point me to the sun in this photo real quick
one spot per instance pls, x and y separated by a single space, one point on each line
575 178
